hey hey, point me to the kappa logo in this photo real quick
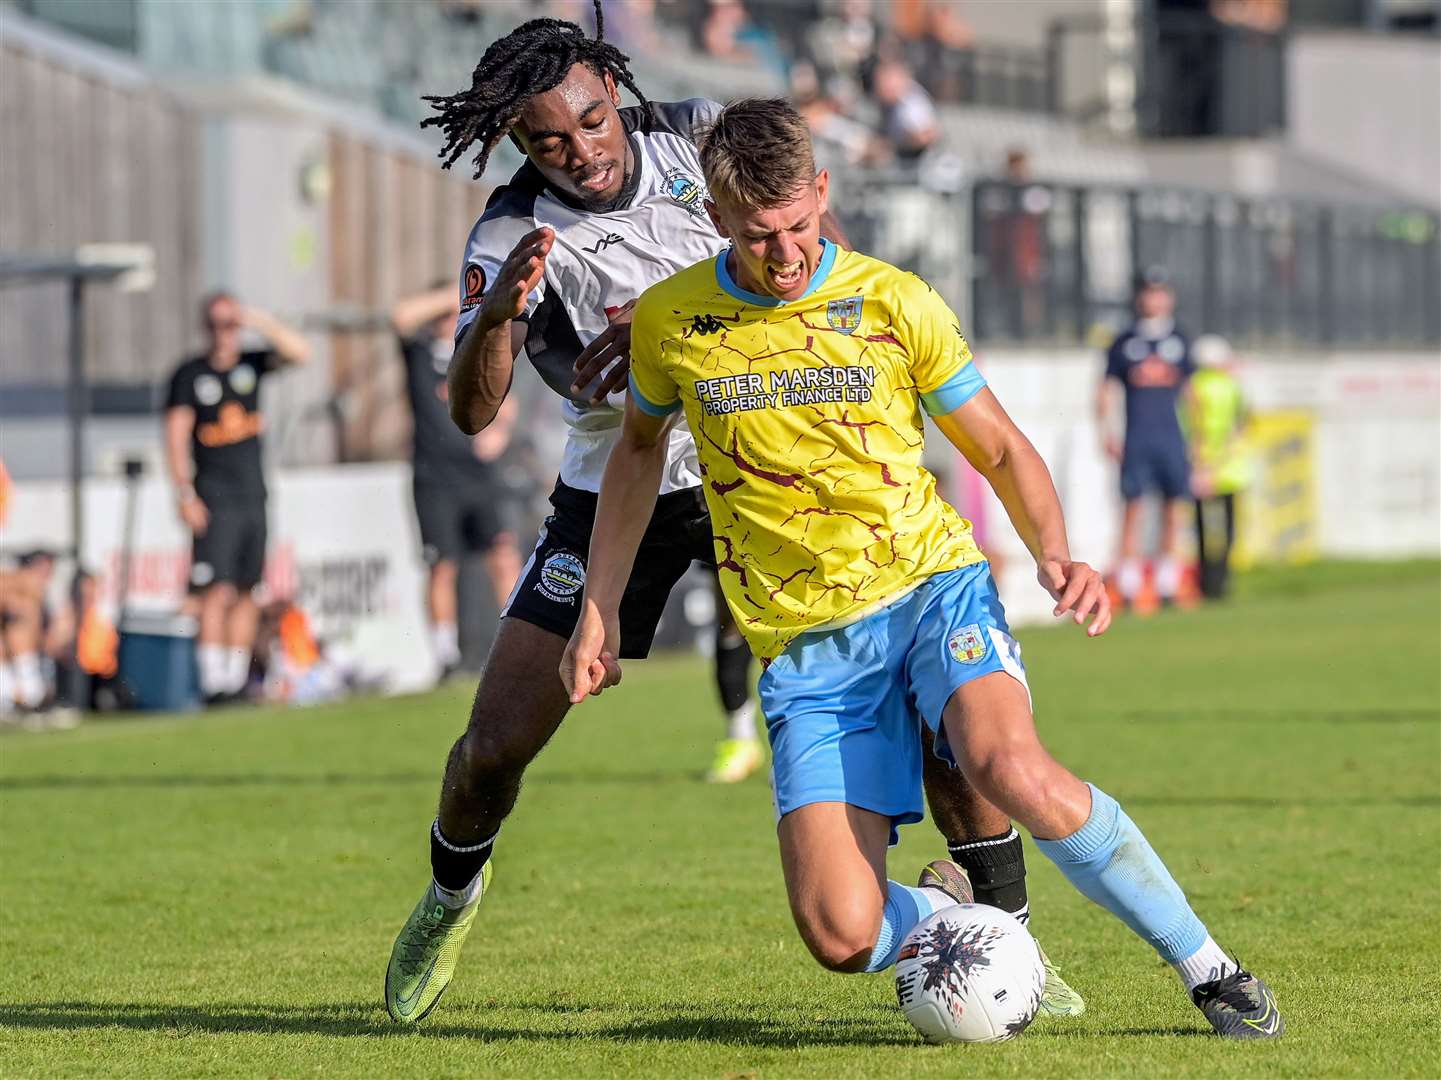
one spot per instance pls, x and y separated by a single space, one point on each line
473 286
605 242
706 324
561 577
844 316
966 645
684 191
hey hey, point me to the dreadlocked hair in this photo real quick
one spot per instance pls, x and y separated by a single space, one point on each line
531 59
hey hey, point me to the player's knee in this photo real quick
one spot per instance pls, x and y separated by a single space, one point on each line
842 933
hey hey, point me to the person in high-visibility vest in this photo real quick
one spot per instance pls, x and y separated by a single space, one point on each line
1216 416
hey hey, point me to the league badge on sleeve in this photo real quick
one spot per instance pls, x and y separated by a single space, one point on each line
844 316
966 645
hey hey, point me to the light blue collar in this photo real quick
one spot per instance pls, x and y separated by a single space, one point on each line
723 276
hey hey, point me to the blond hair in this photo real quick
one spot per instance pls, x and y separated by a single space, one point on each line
757 153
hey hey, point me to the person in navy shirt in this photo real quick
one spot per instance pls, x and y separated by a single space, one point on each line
1151 360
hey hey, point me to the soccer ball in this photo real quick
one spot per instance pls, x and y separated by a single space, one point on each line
970 973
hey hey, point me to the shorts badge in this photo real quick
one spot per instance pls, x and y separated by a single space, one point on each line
844 316
966 645
561 576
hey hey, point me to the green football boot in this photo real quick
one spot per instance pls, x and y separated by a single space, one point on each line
424 955
1058 999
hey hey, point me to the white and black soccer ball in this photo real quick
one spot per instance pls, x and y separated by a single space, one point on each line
970 973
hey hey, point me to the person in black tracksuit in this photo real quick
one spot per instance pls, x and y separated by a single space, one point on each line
212 445
459 500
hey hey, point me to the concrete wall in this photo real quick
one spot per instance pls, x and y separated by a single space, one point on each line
1370 103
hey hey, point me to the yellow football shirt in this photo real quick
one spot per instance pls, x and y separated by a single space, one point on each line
807 418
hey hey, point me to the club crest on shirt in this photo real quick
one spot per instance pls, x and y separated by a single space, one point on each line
844 316
684 191
208 390
966 644
242 378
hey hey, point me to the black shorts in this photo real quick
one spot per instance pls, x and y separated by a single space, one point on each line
232 549
1155 468
548 593
457 520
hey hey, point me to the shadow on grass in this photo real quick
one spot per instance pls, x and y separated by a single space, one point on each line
366 1020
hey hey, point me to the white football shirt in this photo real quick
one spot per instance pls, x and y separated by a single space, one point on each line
598 263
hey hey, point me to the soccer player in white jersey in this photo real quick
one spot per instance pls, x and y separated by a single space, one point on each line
609 202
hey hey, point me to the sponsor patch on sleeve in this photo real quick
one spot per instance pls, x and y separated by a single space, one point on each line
473 286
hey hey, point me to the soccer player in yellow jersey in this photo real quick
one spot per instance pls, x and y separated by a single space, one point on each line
803 371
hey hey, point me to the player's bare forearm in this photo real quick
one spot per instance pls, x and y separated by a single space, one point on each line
991 442
480 373
289 344
412 312
179 422
1000 451
627 501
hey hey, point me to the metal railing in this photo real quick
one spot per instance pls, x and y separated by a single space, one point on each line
1056 262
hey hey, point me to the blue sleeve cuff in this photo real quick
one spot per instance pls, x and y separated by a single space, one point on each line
645 405
955 391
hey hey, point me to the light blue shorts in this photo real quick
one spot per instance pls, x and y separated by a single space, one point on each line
844 708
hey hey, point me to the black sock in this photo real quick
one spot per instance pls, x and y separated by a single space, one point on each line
732 669
997 866
455 866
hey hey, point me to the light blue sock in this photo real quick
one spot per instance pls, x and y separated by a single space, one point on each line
904 908
1109 860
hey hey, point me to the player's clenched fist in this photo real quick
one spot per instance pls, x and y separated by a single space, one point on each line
519 276
590 663
1079 589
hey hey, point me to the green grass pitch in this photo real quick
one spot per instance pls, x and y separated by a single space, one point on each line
217 895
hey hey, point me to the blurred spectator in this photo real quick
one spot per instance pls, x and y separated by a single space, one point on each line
1216 428
1151 360
297 668
212 445
26 674
727 32
930 34
631 25
459 497
908 118
1018 249
838 138
845 39
83 637
1267 16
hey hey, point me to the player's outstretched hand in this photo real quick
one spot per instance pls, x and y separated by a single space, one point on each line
613 344
519 276
590 663
1078 589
